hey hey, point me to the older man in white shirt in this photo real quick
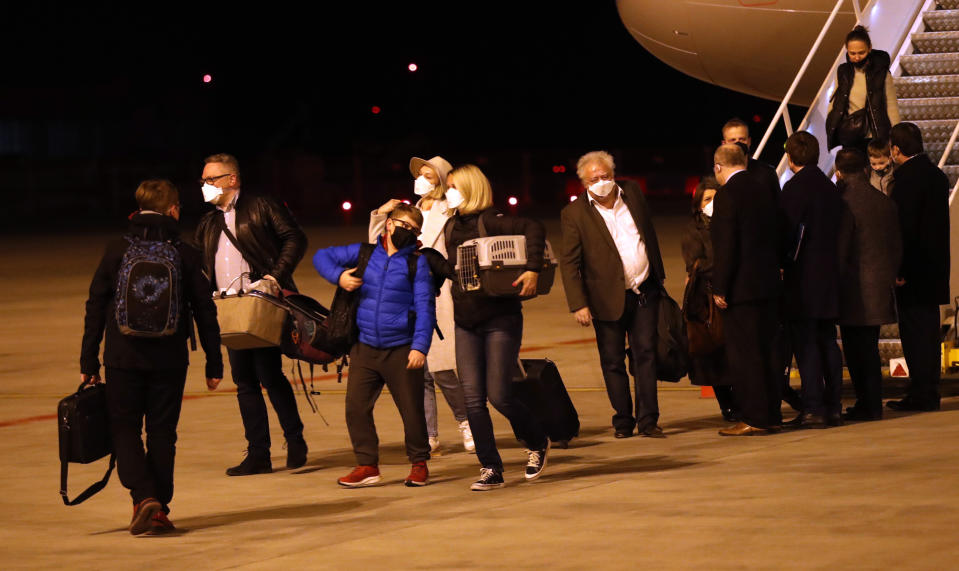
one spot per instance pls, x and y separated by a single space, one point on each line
613 275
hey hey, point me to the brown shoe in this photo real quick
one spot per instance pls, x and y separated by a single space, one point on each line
143 514
742 429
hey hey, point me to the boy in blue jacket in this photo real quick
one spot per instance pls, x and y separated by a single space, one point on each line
395 316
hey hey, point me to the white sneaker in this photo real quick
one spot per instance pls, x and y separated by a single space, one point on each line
467 437
434 444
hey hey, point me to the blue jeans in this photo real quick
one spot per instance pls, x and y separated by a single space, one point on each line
452 391
486 358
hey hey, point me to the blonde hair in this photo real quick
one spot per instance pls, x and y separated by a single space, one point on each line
475 188
730 155
594 157
157 195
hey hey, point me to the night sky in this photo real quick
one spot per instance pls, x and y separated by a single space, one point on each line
107 96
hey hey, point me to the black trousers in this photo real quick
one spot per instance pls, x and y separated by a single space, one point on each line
639 323
754 354
921 339
820 365
860 344
370 369
251 369
155 395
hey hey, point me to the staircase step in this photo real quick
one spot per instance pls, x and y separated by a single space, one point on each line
937 131
952 171
927 86
948 4
942 20
889 331
930 64
936 148
927 108
936 42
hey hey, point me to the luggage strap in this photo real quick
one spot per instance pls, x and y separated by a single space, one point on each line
85 495
308 393
221 222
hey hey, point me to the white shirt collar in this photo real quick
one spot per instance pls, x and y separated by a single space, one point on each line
619 196
229 207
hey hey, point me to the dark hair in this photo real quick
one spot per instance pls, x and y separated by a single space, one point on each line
706 183
907 137
410 212
859 33
850 161
878 148
802 148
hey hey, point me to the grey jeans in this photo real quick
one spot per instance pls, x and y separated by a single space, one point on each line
452 392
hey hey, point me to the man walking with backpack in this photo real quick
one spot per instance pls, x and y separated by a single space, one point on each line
147 288
248 237
395 316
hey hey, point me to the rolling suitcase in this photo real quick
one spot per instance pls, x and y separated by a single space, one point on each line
84 428
541 389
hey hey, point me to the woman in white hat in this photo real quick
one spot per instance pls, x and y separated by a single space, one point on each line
430 186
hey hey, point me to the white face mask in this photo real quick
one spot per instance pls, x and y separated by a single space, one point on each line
422 187
602 188
454 198
708 209
210 192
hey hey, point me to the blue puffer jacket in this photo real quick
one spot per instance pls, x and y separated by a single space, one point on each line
387 299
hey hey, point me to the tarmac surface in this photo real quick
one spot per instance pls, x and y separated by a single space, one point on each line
864 496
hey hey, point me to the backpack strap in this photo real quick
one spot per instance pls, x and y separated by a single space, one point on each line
220 221
363 260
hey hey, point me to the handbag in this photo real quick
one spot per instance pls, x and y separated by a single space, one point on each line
853 129
84 432
250 320
672 354
704 328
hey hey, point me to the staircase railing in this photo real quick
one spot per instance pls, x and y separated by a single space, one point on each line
890 23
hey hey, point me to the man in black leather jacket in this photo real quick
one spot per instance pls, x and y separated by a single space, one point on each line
268 244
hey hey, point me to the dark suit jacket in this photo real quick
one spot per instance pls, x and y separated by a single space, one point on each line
922 195
590 263
766 175
811 283
870 251
745 233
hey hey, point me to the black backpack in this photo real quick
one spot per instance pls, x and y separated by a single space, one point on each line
148 294
672 352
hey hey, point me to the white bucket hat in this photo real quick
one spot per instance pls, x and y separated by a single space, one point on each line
437 163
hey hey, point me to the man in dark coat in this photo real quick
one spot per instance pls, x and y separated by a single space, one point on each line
613 275
811 208
870 251
922 195
250 237
737 131
746 285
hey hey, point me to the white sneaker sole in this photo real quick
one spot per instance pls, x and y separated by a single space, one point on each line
486 487
362 483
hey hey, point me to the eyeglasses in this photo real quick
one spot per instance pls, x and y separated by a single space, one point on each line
405 224
212 179
595 179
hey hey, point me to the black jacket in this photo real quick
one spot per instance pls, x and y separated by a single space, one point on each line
745 232
270 239
870 251
766 175
877 68
922 195
590 263
473 309
126 352
811 282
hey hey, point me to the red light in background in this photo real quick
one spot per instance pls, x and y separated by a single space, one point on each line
412 67
347 205
757 118
375 109
207 78
512 201
559 169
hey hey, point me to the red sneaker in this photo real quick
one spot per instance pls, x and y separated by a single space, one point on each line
361 476
143 513
160 524
419 475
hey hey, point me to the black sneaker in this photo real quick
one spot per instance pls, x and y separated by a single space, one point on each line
251 465
537 461
488 480
295 453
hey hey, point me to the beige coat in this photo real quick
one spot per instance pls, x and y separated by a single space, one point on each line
442 355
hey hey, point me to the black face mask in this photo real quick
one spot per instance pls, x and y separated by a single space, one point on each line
402 237
861 63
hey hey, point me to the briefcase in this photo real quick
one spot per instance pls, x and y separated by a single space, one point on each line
84 430
250 320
